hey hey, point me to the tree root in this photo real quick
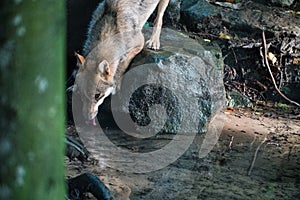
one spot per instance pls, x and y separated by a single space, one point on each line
266 63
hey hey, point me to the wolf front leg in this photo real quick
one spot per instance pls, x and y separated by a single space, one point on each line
153 42
124 63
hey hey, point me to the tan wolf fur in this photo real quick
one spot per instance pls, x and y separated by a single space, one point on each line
114 39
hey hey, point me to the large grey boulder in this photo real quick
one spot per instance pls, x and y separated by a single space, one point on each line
283 2
175 89
172 14
202 16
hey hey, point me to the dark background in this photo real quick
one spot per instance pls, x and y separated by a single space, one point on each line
79 14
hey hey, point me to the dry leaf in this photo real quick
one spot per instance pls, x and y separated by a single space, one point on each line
224 36
272 58
229 110
296 61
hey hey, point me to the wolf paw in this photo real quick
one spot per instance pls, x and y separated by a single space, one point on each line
153 44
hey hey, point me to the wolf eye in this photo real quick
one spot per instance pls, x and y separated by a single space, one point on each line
98 96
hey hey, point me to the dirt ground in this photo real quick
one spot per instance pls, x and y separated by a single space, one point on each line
257 157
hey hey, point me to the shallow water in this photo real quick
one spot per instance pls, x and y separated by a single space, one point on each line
223 173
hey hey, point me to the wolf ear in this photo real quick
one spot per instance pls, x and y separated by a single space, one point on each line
103 68
80 59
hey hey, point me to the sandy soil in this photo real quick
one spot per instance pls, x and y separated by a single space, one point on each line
257 157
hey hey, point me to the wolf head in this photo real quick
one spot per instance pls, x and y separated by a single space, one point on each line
94 82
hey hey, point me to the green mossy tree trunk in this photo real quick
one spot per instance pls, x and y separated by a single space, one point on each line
32 42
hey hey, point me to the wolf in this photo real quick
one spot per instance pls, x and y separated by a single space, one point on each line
114 39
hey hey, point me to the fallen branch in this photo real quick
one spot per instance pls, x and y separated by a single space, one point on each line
255 156
265 58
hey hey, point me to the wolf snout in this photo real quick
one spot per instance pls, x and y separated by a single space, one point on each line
92 115
91 118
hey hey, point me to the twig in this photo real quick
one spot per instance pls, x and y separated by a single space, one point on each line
291 150
255 155
234 56
281 74
207 34
229 146
270 72
230 143
262 85
251 144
